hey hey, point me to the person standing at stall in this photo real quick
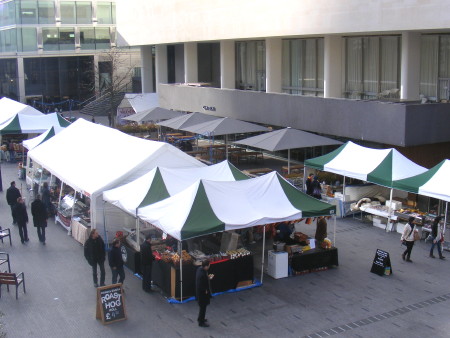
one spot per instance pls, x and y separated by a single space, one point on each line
94 252
321 229
12 194
203 291
309 180
39 213
437 232
316 188
408 238
116 262
21 216
147 259
46 198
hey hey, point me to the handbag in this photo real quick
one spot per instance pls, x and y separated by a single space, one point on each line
404 241
416 236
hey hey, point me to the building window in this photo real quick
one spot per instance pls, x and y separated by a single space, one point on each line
8 78
87 38
76 12
435 67
58 39
68 12
7 13
251 65
84 12
303 67
8 40
66 39
28 12
26 39
46 12
372 67
104 13
102 38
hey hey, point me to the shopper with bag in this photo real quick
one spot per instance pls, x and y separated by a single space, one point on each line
437 232
410 234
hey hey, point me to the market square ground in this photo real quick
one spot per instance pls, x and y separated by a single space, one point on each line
347 301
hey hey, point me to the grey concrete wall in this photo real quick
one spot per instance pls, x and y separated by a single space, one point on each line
383 122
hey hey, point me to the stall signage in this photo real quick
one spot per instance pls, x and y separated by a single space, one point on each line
209 108
381 263
110 304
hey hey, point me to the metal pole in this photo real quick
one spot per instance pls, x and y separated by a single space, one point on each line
334 230
69 232
263 249
304 179
389 210
343 190
138 229
226 147
60 193
180 248
445 217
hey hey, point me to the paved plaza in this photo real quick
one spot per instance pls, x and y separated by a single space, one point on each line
347 301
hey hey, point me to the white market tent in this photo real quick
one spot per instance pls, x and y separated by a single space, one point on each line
92 158
32 124
9 108
140 101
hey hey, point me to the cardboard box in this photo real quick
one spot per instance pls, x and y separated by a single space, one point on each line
290 249
395 205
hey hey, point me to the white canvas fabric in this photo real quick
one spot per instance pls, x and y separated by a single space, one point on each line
35 141
438 186
9 108
31 124
403 167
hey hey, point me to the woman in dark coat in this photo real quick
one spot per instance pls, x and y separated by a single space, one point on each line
203 291
39 212
316 188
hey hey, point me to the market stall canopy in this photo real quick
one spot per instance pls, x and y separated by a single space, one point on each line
161 183
35 141
9 108
187 120
224 126
379 166
140 101
153 114
287 138
210 206
435 182
29 124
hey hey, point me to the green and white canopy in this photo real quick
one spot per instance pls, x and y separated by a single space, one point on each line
35 141
211 206
433 183
379 166
31 124
10 108
161 183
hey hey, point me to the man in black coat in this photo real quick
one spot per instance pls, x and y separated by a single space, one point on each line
12 194
147 259
39 212
94 252
21 216
116 262
203 291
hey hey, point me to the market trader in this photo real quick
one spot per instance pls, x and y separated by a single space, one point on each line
203 291
12 194
147 259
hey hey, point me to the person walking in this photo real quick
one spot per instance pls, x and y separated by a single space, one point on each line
12 194
94 252
21 216
437 232
147 259
39 213
408 239
116 262
203 291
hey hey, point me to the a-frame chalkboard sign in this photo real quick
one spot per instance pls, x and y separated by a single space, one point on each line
381 263
110 304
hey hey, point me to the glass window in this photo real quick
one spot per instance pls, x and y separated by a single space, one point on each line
102 38
114 13
8 40
87 38
68 13
8 79
28 12
26 39
50 39
302 62
251 65
66 39
84 12
7 13
104 13
46 12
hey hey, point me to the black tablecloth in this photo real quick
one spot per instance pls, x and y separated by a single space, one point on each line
315 258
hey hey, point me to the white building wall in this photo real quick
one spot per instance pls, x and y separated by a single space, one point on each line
227 64
273 65
410 73
147 69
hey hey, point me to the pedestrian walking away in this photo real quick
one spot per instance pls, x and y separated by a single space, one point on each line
12 194
203 291
46 199
116 262
147 259
408 239
21 216
437 232
94 252
39 213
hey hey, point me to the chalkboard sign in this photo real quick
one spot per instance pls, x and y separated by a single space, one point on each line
110 304
381 263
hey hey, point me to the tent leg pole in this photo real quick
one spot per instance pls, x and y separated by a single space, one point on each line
69 232
104 223
389 210
138 230
334 230
180 248
304 179
263 250
445 217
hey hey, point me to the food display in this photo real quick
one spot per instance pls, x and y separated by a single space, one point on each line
174 258
233 254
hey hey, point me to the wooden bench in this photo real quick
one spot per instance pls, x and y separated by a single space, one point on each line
5 233
4 258
12 279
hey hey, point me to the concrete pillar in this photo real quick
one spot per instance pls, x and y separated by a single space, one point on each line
332 68
227 64
21 80
273 65
410 72
161 65
190 62
147 69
